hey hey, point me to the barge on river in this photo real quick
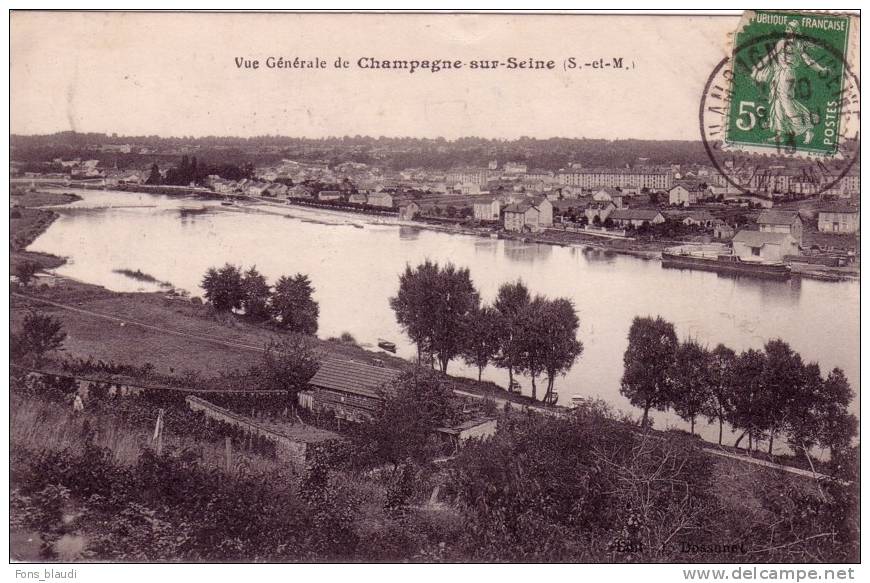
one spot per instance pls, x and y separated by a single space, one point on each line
679 258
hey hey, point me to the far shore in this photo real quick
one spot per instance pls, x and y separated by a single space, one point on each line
647 250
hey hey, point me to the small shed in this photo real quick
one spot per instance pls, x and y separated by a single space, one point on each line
481 429
349 389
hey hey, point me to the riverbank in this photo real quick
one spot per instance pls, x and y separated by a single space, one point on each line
646 249
28 219
650 250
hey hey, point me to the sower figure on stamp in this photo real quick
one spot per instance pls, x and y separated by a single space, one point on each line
788 117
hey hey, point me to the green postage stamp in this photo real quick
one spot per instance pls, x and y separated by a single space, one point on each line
790 84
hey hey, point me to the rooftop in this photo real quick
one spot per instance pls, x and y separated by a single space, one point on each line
634 214
770 217
759 239
839 209
352 377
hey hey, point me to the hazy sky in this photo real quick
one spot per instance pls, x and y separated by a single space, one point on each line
174 74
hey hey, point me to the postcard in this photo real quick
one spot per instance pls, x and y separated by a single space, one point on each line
435 287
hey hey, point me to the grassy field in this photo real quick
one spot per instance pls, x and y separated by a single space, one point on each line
201 340
110 526
179 335
43 426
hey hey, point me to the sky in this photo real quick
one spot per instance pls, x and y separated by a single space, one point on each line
175 74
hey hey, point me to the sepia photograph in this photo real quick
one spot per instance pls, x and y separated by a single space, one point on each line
435 287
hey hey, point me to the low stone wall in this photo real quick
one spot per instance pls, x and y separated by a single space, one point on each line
288 448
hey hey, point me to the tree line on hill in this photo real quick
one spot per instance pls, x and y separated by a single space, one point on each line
770 392
289 303
440 310
393 152
193 171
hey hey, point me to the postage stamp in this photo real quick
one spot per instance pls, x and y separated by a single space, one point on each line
788 89
788 77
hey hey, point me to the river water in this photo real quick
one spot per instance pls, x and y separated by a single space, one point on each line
354 263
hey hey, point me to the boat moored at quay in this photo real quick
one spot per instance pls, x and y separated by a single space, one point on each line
723 262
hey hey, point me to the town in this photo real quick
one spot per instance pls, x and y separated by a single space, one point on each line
639 207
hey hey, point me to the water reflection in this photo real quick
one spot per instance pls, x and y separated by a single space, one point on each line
408 233
188 215
526 252
597 255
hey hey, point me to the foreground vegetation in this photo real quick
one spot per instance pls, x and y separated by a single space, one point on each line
583 488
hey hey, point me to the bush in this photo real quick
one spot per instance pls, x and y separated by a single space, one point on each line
574 489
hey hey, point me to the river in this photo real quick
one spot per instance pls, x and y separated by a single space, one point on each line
354 263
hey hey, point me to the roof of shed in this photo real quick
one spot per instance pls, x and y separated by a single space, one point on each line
352 377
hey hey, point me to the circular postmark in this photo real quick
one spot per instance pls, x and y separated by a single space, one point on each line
776 120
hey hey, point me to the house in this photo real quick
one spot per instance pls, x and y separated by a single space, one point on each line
600 211
487 209
569 209
350 390
699 219
515 168
299 191
357 198
529 215
838 220
760 245
636 217
255 188
44 280
687 193
381 199
467 188
131 178
572 191
409 211
222 186
608 194
722 230
277 190
771 221
480 429
329 195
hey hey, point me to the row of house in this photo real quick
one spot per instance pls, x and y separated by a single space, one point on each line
780 233
378 199
599 212
536 214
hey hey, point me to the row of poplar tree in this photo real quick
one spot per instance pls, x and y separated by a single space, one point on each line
441 311
762 393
